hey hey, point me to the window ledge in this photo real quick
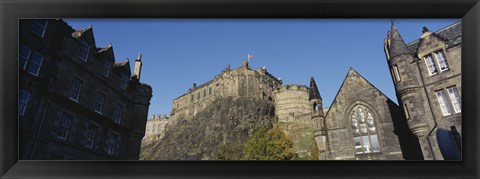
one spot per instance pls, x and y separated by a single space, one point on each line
74 100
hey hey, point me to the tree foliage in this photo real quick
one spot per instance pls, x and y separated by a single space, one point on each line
268 144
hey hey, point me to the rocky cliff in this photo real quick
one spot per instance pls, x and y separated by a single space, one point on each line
217 132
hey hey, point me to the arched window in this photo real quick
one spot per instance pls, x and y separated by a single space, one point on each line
364 132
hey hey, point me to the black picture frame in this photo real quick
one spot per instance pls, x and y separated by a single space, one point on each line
11 11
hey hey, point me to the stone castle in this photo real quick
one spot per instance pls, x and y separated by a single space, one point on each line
240 82
361 123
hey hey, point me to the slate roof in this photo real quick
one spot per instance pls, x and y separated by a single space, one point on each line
452 33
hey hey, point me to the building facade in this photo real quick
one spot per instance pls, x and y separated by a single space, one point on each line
75 101
361 124
427 78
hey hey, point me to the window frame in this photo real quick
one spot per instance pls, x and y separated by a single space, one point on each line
112 148
101 103
106 68
43 27
445 102
32 62
23 102
443 58
20 56
371 144
124 81
84 51
91 138
396 73
77 91
432 64
458 99
69 118
118 116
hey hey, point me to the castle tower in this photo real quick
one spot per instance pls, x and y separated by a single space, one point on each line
318 117
409 87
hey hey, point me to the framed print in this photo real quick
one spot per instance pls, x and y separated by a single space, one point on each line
247 89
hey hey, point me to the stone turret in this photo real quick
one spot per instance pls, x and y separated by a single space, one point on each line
408 83
409 87
320 132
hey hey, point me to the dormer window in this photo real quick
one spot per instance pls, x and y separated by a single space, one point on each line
124 81
441 60
106 67
440 63
85 48
432 69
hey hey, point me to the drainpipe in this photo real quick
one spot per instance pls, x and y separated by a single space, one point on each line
431 111
39 130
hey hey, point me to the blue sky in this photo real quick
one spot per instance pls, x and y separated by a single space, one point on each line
179 52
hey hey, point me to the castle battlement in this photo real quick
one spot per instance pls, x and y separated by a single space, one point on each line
291 87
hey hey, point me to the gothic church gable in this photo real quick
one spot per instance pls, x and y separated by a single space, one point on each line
359 122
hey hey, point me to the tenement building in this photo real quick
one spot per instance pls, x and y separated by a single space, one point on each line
427 78
75 101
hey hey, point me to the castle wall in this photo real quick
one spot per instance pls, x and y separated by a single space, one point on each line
291 102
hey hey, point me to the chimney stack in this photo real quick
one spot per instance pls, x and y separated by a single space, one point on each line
138 67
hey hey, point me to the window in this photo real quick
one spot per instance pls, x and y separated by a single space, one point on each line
432 70
24 55
455 99
442 100
39 26
99 102
364 132
396 73
112 143
35 63
117 116
198 95
440 59
124 81
210 91
30 60
106 67
204 93
75 90
85 48
407 113
442 62
91 132
23 98
63 126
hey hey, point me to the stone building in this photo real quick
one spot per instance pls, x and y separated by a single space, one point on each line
75 101
240 82
361 124
156 127
427 78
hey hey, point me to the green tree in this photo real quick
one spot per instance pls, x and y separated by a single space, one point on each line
266 144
